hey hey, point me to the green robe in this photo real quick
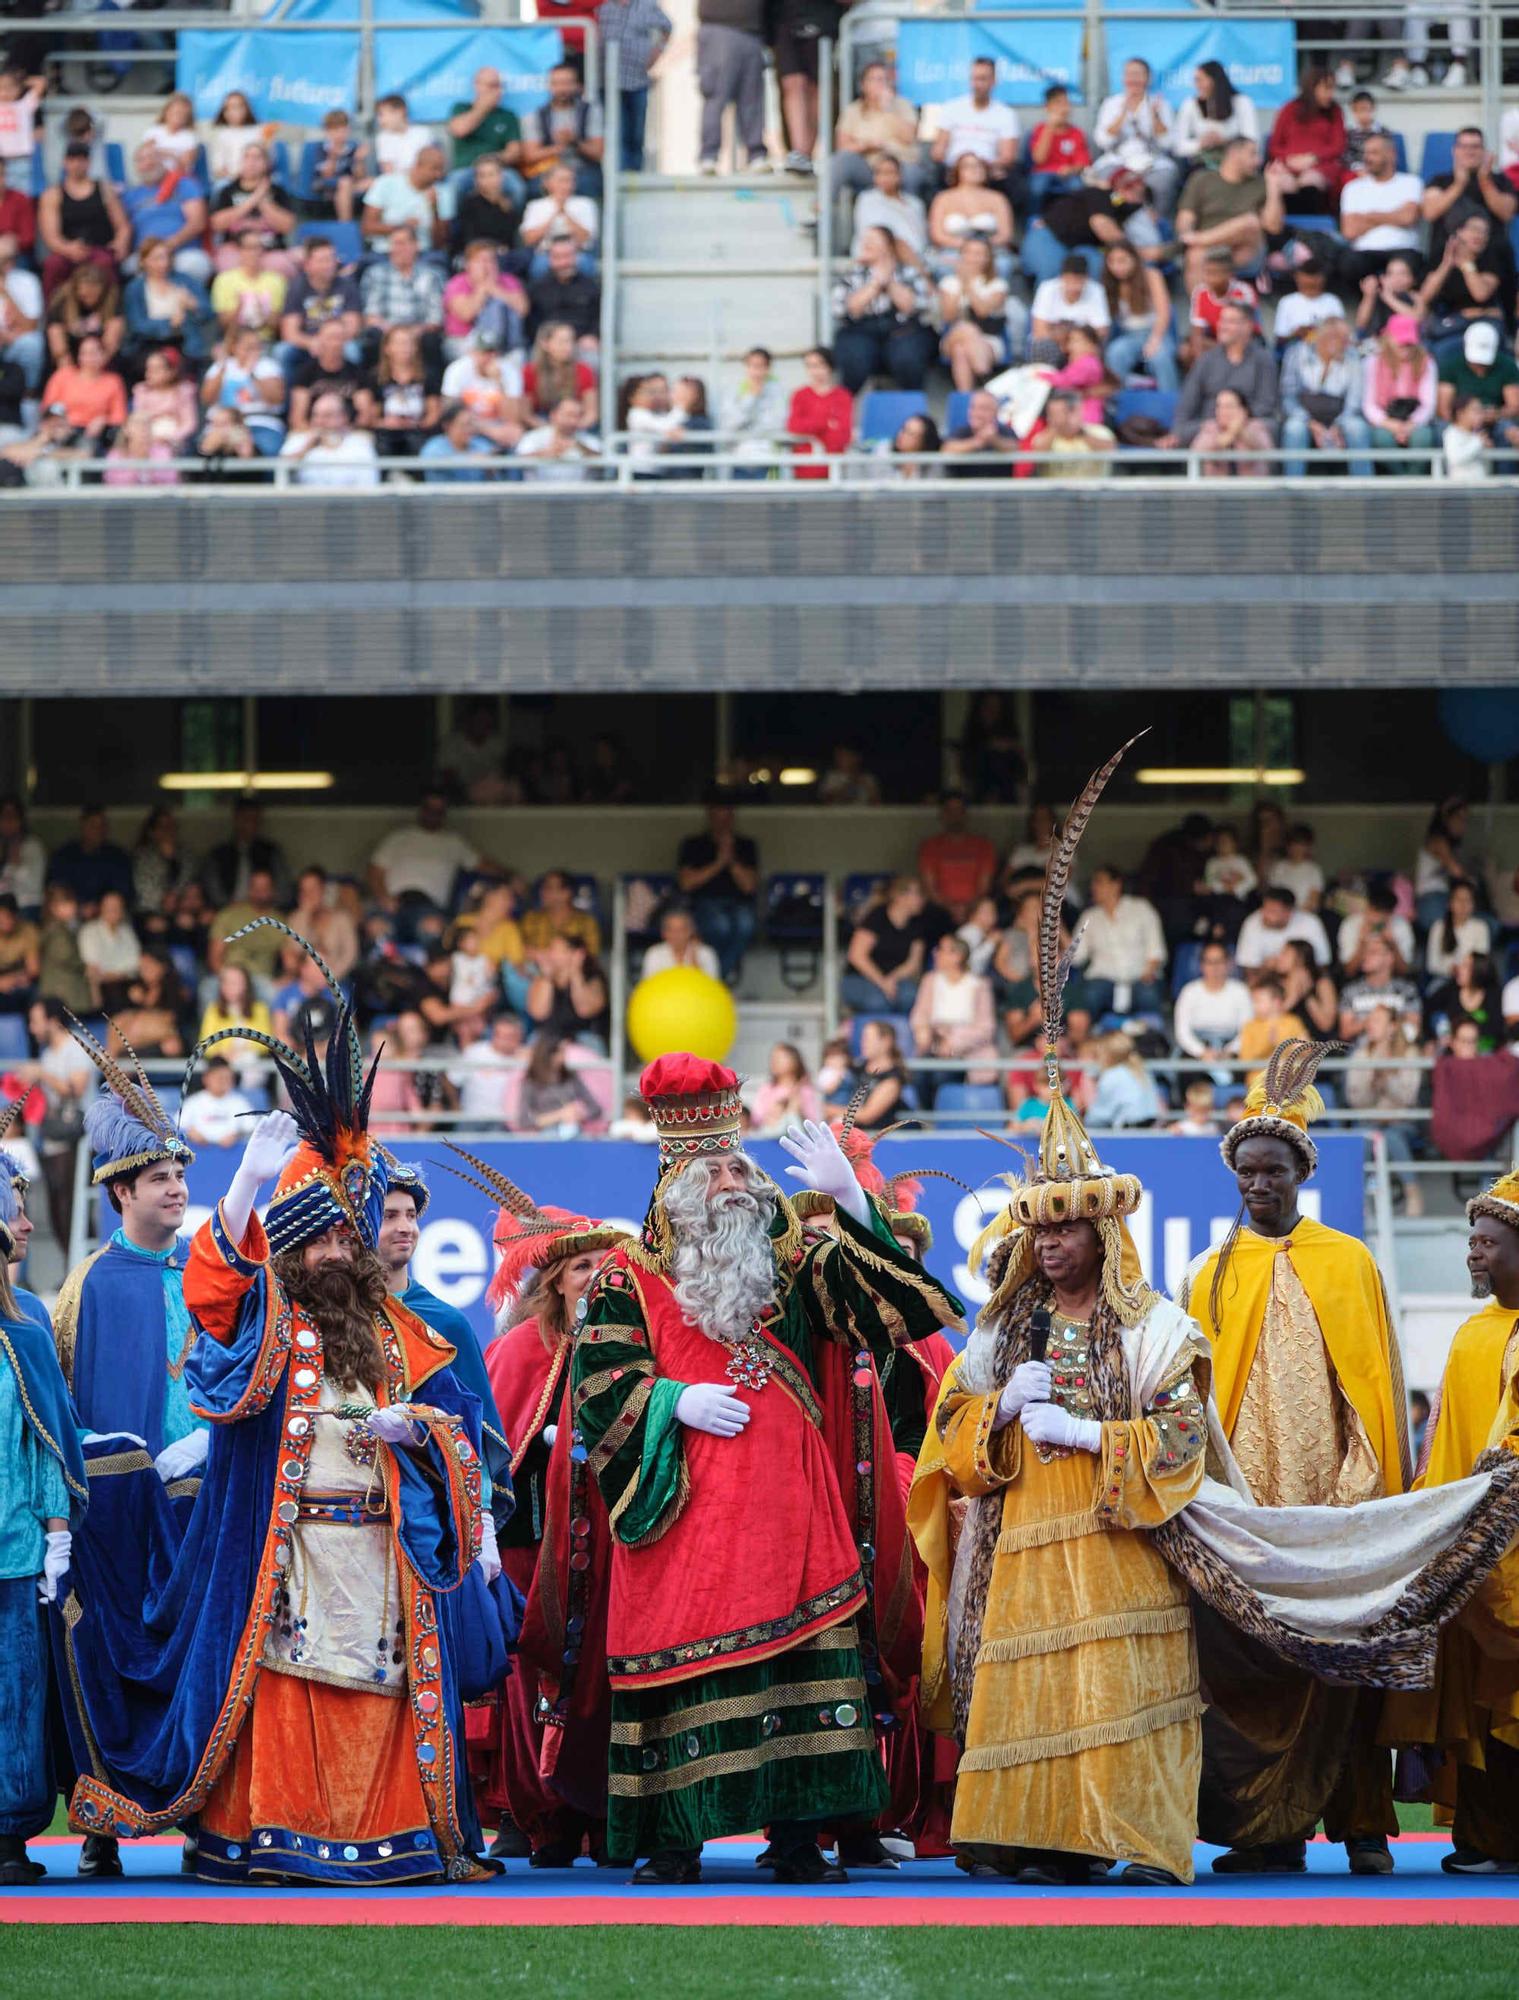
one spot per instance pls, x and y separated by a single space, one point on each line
762 1741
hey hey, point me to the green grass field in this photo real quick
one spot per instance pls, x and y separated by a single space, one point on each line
141 1962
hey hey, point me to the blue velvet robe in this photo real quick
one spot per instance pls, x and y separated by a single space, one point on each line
469 1365
112 1343
165 1651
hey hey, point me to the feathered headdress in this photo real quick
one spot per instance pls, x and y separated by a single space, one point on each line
527 1237
129 1128
1067 1182
1284 1101
408 1177
14 1180
337 1175
1500 1201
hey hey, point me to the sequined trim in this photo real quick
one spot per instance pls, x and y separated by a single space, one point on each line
773 1636
706 1714
857 1740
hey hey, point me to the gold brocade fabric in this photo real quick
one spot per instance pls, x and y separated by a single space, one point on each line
1298 1439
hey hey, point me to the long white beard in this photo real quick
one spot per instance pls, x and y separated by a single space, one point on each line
724 1268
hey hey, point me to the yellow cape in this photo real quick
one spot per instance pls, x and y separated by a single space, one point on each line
1345 1289
934 1527
1470 1392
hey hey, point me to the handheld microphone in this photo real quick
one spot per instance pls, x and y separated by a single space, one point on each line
1039 1333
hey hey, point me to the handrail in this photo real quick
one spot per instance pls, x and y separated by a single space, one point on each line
611 237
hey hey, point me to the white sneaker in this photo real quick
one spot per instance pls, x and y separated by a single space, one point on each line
762 164
707 168
1344 75
1397 77
1455 75
1418 77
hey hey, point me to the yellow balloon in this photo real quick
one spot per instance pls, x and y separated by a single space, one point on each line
681 1009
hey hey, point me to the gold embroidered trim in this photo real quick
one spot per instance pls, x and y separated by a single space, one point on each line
66 1312
1039 1534
73 1611
119 1462
81 1492
1105 1625
1072 1742
703 1715
328 1678
837 1638
622 1426
535 1422
674 1507
820 1743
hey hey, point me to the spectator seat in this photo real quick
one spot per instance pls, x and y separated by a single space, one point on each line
182 958
115 163
1186 964
1400 152
14 1046
279 162
956 411
305 173
882 412
793 922
39 171
975 1100
1439 151
345 238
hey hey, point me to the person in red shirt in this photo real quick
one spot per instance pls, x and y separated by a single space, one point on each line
821 410
1058 152
1218 289
957 866
1309 139
18 218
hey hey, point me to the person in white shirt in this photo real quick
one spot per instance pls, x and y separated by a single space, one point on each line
559 212
1227 872
487 1070
1276 923
978 124
678 945
419 864
1121 949
474 981
1379 919
1460 933
1215 113
560 447
1073 299
397 141
490 386
209 1115
1133 129
21 315
1380 208
1297 870
110 949
332 452
1211 1010
884 205
1309 306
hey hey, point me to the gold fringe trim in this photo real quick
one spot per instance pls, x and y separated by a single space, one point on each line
117 1463
762 1701
674 1507
1106 1625
857 1741
1039 1534
1072 1742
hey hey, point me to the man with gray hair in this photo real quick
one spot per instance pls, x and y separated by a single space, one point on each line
762 1614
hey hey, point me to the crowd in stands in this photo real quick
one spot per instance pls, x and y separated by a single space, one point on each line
1188 970
1204 279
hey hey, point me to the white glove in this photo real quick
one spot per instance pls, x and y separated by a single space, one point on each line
103 1437
820 1164
55 1563
185 1455
271 1143
707 1406
550 1432
1030 1384
396 1425
489 1557
1047 1423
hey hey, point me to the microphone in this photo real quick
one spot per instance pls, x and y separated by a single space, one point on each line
1039 1333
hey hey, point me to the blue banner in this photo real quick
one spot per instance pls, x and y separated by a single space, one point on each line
934 58
288 79
1260 56
1190 1199
434 69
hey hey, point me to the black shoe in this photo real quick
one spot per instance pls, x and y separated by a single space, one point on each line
510 1844
555 1854
864 1850
99 1858
671 1867
766 1858
1467 1861
807 1865
1281 1857
1142 1875
187 1855
17 1869
1369 1855
1042 1868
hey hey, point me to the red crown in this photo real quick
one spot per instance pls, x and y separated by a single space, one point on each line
694 1104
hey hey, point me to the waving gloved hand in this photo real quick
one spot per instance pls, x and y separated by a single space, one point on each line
184 1456
1030 1383
707 1406
397 1425
55 1563
489 1557
1048 1423
272 1141
820 1164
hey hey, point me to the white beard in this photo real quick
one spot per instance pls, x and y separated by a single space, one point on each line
724 1268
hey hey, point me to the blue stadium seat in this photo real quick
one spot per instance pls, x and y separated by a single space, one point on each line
1439 151
202 167
956 411
39 171
856 893
305 173
1157 403
1400 152
14 1046
115 163
882 412
182 958
279 162
794 909
981 1100
1319 220
1186 965
344 237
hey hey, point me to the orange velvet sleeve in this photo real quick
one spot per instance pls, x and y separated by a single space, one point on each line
220 1273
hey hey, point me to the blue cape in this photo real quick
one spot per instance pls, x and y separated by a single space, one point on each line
469 1366
111 1335
45 1405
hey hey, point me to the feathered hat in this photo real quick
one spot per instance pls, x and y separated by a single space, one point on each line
337 1175
127 1127
1500 1201
14 1179
407 1177
1283 1102
696 1111
1067 1182
528 1238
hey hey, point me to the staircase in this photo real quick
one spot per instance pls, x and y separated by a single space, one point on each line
708 268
